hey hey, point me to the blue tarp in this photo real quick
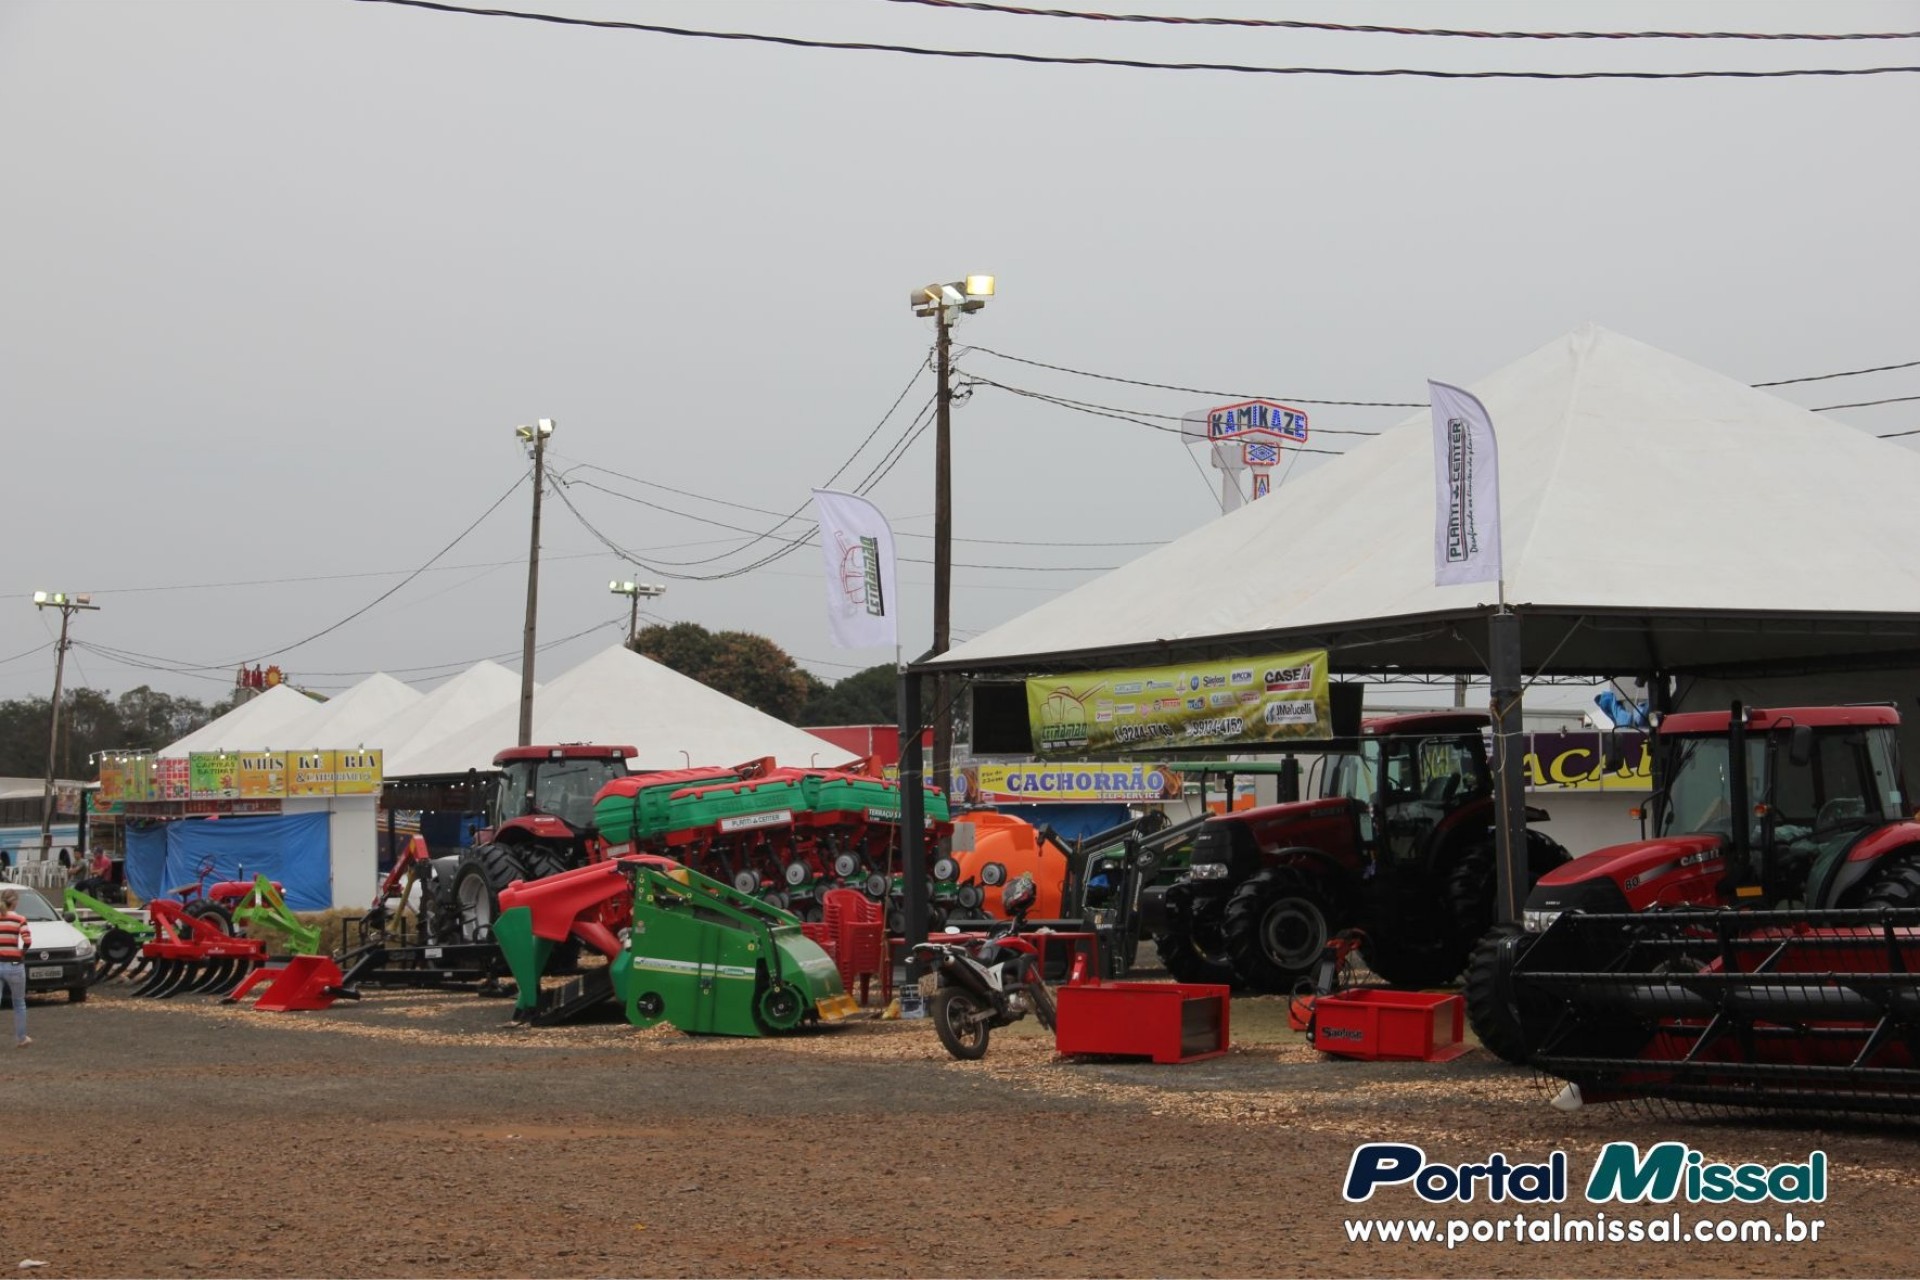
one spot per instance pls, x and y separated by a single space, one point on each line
292 849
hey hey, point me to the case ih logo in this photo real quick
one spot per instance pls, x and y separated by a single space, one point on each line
1288 679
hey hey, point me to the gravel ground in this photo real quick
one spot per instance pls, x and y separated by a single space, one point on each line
419 1134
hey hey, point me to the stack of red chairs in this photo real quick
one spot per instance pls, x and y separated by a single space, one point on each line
857 929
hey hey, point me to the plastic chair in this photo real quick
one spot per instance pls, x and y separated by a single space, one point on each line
859 928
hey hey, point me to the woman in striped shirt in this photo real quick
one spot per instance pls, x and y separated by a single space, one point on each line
15 938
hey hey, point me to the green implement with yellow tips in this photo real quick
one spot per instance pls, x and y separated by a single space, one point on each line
681 948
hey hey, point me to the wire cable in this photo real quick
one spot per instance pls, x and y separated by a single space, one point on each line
1132 64
1202 391
1866 404
1295 24
1850 373
1119 415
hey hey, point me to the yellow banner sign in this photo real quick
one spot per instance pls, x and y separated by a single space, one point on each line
1274 698
263 775
357 773
310 773
1109 783
213 775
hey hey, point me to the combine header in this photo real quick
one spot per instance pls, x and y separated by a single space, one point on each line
1760 948
698 953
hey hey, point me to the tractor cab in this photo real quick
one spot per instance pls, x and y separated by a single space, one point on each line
1814 782
547 792
1411 779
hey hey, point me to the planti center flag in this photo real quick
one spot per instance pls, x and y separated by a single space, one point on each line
862 609
1466 478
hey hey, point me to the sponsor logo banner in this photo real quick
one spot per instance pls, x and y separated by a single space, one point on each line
1071 784
1068 714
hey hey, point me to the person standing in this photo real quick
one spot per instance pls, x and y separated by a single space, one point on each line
15 938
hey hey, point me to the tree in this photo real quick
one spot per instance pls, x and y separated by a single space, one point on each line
865 697
746 667
92 721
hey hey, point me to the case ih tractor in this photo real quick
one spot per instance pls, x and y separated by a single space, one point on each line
1757 947
1399 844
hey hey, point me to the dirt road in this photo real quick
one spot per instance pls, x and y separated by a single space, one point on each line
420 1135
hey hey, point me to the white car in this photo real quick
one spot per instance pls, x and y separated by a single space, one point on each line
59 957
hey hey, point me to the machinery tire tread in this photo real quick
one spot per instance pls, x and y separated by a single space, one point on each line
1246 915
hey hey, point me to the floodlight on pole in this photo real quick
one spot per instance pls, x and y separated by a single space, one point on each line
68 605
945 304
635 590
535 438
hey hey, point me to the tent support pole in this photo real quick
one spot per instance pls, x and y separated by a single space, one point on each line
1509 763
913 816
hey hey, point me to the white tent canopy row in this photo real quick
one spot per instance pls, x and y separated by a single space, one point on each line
1657 516
616 697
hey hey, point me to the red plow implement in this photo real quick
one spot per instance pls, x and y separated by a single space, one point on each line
192 953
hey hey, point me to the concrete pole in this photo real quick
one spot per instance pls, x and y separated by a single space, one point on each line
913 815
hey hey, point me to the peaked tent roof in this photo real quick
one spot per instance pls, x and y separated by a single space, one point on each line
1656 516
246 727
480 690
344 721
616 697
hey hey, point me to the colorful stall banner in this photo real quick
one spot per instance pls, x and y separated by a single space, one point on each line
263 775
1110 783
311 773
357 773
213 775
172 779
113 785
1575 761
1273 698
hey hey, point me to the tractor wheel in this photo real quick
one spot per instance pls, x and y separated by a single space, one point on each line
541 863
957 1020
1417 953
483 873
1276 925
1508 1023
1194 952
1473 884
1896 883
212 913
780 1007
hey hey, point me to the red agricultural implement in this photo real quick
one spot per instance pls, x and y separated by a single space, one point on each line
190 953
1761 948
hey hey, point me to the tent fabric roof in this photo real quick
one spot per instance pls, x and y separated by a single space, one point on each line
343 721
250 725
619 697
480 690
1656 514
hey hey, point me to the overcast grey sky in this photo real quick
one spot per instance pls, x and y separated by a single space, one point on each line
281 278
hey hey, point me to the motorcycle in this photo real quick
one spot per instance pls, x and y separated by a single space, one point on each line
976 986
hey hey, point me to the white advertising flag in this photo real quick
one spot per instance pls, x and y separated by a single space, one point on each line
862 609
1466 480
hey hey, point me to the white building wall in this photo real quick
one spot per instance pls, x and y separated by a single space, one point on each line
351 842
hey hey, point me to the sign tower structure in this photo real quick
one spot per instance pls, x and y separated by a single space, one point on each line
1246 435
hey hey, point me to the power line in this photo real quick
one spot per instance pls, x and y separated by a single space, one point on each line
1294 24
1866 404
27 653
1850 373
1164 417
1132 64
1895 435
1117 414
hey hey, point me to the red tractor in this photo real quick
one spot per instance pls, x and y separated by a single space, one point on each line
539 823
1764 825
1399 844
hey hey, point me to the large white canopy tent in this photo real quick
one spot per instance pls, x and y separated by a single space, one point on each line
1658 516
619 697
479 691
344 721
248 727
1660 519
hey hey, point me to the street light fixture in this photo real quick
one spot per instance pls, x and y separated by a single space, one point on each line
636 590
535 437
945 304
68 605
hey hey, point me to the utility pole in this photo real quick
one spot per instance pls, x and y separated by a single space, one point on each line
945 303
536 436
635 590
67 605
942 544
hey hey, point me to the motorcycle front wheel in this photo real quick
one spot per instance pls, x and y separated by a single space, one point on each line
958 1018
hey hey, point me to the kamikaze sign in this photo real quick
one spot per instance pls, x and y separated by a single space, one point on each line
862 608
1276 698
1466 473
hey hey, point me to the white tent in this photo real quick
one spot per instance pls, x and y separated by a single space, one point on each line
619 697
1657 516
475 693
343 721
249 726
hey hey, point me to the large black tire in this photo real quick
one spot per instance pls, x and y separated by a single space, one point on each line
953 1013
1895 883
1472 885
1193 952
483 873
1420 949
542 862
212 913
1276 925
1509 1023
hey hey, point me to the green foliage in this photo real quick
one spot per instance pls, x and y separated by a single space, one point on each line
92 721
865 697
746 667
